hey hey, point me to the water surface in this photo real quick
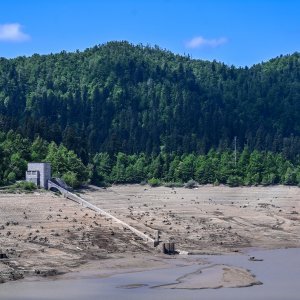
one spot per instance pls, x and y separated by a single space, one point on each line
279 272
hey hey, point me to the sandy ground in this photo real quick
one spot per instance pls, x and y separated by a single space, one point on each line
215 277
44 234
208 219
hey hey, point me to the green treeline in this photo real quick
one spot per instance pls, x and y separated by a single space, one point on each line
16 151
250 168
137 99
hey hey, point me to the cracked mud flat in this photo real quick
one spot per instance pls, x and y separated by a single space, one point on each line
44 234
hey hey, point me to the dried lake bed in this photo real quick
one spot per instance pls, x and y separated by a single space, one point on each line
44 234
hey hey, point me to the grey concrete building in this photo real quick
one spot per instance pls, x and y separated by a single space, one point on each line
39 173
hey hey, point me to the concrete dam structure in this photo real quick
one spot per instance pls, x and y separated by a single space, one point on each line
40 174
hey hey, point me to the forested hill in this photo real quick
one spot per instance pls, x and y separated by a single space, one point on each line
119 97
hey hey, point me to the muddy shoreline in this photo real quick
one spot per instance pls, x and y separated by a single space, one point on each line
211 277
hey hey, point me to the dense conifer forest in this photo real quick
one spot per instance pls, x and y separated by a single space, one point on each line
124 113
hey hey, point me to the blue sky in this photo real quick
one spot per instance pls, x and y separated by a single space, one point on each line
238 32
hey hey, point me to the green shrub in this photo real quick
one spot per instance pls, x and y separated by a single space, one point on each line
217 182
173 184
154 182
11 177
191 184
234 181
290 177
25 185
268 179
103 184
71 179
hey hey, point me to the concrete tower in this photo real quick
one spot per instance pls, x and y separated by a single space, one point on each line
39 173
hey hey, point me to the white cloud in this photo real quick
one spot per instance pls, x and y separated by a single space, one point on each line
13 33
199 41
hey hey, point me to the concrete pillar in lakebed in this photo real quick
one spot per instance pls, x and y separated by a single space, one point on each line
168 248
156 239
39 173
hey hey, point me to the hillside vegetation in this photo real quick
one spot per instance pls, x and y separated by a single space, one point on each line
147 103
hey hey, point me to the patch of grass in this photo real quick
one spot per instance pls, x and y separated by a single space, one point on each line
154 182
173 184
20 187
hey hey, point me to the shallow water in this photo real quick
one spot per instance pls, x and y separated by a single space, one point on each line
279 272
